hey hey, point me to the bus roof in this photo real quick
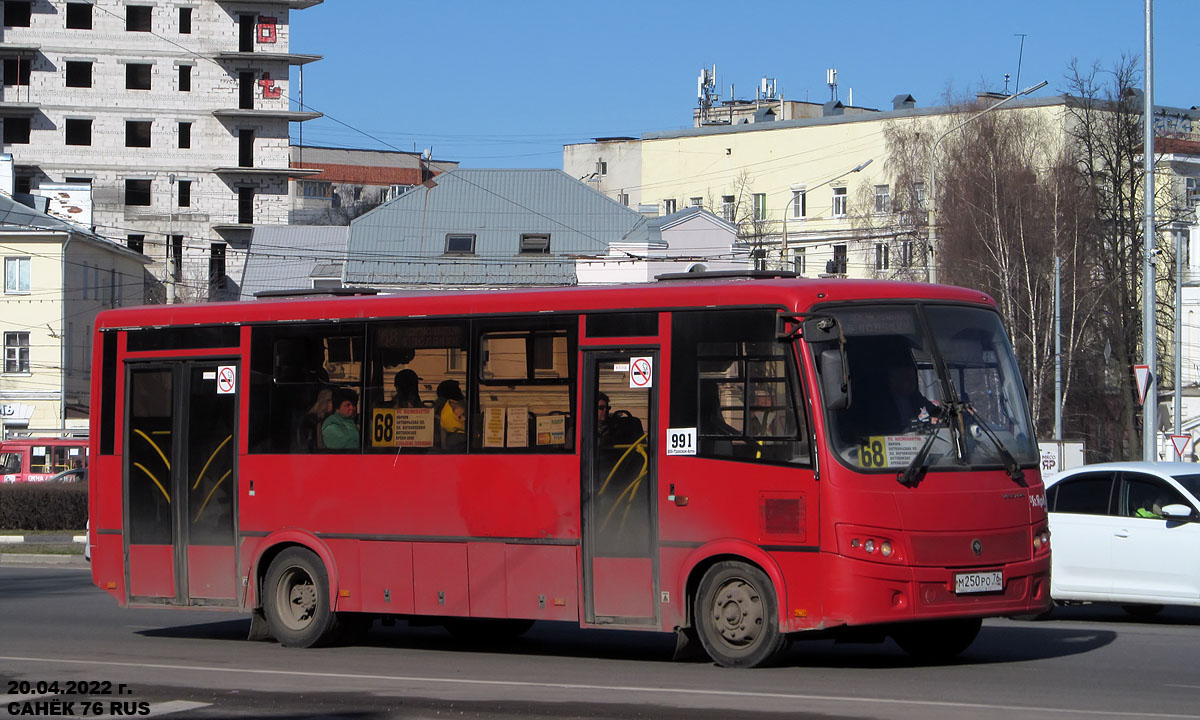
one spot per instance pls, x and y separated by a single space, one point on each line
794 294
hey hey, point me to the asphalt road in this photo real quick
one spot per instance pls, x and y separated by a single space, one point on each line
55 627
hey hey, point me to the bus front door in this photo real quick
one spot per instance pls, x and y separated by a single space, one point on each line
620 560
180 479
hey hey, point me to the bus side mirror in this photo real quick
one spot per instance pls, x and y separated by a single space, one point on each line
836 394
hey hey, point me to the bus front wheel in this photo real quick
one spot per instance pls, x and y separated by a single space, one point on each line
296 599
737 616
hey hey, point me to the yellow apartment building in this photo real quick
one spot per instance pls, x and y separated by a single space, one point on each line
57 277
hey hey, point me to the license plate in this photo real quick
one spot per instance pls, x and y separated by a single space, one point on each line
978 582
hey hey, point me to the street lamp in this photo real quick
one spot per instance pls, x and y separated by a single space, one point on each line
804 192
930 264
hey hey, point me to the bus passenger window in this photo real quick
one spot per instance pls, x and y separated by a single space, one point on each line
295 372
738 386
415 400
524 395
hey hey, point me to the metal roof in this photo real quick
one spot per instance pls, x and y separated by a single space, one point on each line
23 217
403 242
284 257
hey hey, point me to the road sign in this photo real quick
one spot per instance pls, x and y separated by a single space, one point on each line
226 379
1142 373
641 372
1180 442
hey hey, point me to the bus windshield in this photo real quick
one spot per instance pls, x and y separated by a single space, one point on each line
920 377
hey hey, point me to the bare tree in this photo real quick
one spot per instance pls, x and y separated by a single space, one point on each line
1105 126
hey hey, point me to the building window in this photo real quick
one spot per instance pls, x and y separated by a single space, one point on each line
185 193
460 244
79 73
883 199
668 206
246 205
16 275
185 21
185 135
16 132
602 167
137 193
881 256
135 243
185 78
137 18
175 257
837 266
799 261
623 198
760 206
799 204
906 253
396 191
216 266
696 202
728 208
1191 192
316 189
23 182
78 131
535 244
17 13
137 76
137 133
79 16
919 193
245 148
16 352
16 71
839 202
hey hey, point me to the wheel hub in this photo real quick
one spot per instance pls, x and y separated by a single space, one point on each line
738 613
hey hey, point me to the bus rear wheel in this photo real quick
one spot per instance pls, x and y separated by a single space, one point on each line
937 640
737 616
296 599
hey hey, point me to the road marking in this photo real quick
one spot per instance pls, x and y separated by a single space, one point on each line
172 707
611 688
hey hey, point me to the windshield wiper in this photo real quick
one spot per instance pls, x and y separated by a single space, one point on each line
1010 463
915 472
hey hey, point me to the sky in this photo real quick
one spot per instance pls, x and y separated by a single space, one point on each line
507 84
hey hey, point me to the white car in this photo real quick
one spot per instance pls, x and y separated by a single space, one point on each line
1126 533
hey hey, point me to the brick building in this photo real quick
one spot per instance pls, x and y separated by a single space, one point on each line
176 114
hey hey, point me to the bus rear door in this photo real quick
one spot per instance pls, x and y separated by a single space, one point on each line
620 560
180 479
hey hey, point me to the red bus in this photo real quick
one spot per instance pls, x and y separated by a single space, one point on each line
38 459
779 455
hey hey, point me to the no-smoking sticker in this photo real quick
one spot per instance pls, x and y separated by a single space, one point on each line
641 372
226 379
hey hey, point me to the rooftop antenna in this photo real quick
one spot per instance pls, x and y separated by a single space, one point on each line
831 81
1005 83
706 91
1020 57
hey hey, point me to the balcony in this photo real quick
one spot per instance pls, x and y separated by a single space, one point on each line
258 57
266 114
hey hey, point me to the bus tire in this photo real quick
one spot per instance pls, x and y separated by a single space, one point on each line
296 599
937 640
737 616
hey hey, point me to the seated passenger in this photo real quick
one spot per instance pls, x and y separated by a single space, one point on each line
308 435
449 415
339 430
408 389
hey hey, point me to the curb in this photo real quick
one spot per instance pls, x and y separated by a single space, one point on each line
20 559
42 539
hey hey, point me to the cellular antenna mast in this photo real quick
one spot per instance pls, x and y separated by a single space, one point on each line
706 91
831 81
